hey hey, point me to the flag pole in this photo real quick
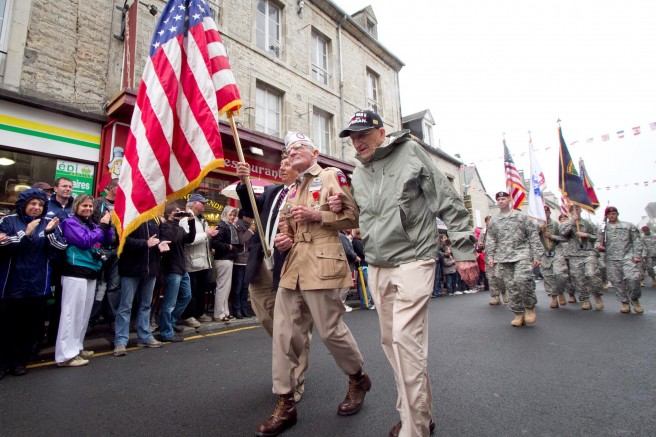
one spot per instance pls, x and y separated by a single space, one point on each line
249 186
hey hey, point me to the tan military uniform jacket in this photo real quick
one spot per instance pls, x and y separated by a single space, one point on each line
317 260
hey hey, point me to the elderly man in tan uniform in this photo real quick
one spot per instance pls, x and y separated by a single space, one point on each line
314 271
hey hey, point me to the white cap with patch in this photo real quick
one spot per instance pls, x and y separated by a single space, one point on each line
296 137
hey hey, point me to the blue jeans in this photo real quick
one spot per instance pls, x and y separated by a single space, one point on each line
437 284
239 292
177 294
450 282
365 274
111 281
129 287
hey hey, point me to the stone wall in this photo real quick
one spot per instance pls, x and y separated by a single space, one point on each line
72 58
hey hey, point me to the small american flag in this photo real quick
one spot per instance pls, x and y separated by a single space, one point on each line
605 137
564 206
514 183
620 134
636 130
174 138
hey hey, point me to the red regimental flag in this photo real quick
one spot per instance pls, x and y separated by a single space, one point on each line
174 138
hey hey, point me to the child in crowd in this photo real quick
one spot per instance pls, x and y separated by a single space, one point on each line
449 270
480 259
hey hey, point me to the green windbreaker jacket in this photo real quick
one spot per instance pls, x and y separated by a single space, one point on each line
400 192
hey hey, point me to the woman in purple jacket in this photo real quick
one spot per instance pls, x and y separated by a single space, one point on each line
83 262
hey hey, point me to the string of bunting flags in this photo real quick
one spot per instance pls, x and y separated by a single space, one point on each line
636 130
597 187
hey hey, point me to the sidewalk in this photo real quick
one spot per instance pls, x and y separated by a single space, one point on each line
100 338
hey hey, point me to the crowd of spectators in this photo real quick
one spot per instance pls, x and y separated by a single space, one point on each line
170 267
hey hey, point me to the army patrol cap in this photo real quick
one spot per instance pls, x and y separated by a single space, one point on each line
501 194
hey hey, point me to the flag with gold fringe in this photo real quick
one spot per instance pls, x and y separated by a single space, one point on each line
174 138
569 182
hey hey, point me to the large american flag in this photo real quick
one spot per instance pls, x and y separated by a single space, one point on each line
514 183
174 138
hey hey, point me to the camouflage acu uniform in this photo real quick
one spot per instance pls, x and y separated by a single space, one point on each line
649 255
622 243
564 254
583 258
513 244
553 267
496 283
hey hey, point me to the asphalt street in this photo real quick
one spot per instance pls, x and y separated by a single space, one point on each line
574 373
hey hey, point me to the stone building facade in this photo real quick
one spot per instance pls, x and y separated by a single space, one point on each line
63 63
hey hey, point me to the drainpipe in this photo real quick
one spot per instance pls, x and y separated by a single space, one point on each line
341 78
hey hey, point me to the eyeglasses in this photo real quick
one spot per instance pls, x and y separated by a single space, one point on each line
359 136
298 146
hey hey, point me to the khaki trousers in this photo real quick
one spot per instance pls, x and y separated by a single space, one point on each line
325 308
263 299
401 295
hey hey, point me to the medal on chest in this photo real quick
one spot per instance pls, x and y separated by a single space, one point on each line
315 191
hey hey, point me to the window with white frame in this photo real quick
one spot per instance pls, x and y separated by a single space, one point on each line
5 8
428 134
321 122
372 91
268 106
319 58
267 27
371 28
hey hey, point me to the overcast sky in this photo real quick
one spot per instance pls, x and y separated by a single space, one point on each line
484 68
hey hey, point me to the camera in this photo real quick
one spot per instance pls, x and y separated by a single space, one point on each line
99 256
182 214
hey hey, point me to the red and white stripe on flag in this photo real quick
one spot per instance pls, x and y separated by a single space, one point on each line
514 183
174 138
564 206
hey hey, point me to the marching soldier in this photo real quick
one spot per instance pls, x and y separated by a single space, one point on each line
583 265
623 250
496 284
553 266
514 250
649 255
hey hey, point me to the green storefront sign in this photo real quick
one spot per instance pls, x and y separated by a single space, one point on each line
81 175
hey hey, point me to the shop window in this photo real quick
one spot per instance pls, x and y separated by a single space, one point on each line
20 170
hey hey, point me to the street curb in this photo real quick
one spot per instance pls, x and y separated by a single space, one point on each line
101 338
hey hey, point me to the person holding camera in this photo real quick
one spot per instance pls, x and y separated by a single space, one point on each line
83 262
177 287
